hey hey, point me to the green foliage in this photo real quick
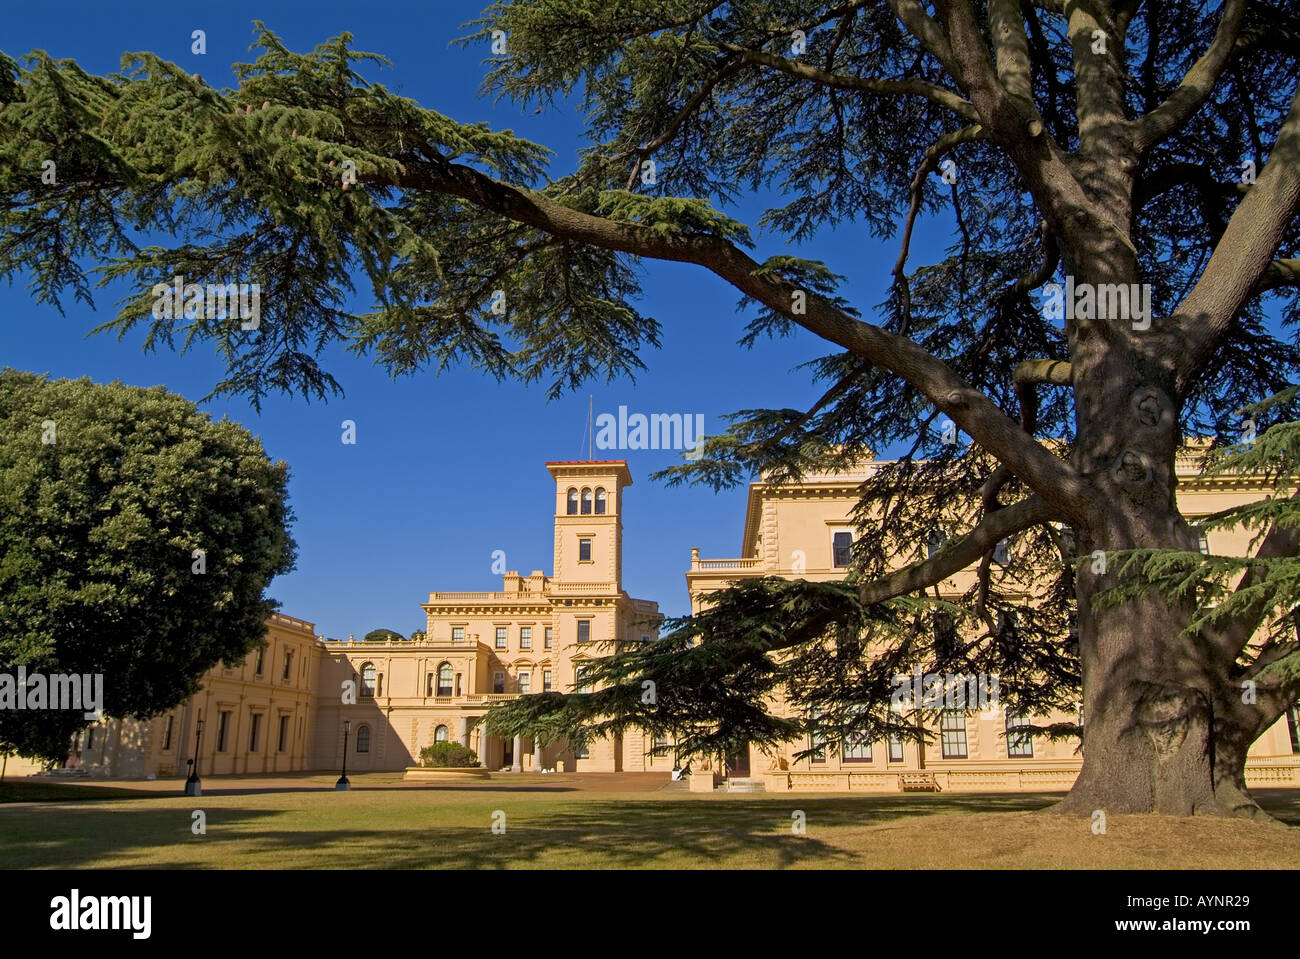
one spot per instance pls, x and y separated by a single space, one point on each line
254 193
451 755
98 528
383 636
1224 588
776 660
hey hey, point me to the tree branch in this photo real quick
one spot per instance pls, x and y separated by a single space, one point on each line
906 87
977 415
991 530
1278 274
1196 85
1244 254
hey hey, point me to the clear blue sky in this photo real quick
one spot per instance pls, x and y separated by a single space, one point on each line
446 468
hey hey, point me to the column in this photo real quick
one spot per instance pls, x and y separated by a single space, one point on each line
538 765
464 731
483 746
517 763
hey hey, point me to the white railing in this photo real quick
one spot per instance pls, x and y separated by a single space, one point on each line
727 564
481 597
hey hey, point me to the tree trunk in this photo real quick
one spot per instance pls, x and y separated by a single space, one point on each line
1154 697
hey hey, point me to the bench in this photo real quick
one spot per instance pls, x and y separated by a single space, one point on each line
918 782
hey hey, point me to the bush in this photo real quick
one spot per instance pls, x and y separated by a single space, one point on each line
448 754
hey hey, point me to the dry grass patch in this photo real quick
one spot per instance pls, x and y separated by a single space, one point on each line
1034 840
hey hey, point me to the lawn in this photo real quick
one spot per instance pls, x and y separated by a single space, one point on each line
559 822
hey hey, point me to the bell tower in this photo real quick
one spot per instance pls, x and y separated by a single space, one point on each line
589 520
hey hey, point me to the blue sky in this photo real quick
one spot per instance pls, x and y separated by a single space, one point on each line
449 468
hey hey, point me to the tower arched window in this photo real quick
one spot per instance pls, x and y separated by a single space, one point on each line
572 508
586 501
600 500
368 679
363 739
440 734
445 678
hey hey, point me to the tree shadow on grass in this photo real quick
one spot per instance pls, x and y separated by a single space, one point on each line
1282 804
617 834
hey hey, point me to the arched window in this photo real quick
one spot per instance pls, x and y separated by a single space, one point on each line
573 502
444 679
363 739
586 501
368 679
440 734
600 500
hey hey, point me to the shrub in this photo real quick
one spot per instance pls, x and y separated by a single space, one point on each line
448 754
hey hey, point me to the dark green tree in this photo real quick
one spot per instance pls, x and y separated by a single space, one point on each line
382 635
1105 145
137 539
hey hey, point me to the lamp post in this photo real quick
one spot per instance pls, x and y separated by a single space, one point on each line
193 785
343 779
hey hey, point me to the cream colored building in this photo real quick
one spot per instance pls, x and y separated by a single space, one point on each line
283 709
803 530
257 718
531 636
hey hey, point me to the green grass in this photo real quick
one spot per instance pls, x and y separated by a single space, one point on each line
383 824
26 790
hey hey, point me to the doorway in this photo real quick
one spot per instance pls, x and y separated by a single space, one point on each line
738 764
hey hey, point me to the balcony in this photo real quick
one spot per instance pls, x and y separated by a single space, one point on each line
475 699
482 597
724 564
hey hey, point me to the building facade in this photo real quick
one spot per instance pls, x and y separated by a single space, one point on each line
803 530
284 708
531 636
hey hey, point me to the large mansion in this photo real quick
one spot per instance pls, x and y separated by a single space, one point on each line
283 709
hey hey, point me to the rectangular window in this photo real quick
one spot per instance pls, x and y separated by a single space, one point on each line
167 734
288 663
284 733
428 684
498 682
223 724
548 637
525 637
546 680
1020 745
90 738
501 637
254 729
1293 724
952 734
580 679
582 752
584 550
525 682
895 749
584 630
841 548
458 634
856 752
261 659
818 742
